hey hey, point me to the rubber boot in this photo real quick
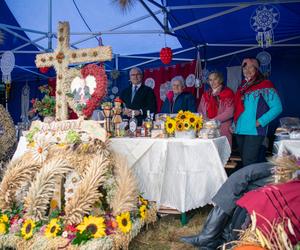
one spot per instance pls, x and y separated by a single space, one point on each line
212 229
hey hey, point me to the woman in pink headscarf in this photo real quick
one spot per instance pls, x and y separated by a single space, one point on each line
256 105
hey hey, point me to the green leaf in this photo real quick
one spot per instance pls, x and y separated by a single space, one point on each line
70 95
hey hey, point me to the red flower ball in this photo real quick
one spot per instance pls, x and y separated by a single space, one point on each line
44 70
166 55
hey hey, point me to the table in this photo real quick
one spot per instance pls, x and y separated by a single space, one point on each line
182 174
287 147
178 173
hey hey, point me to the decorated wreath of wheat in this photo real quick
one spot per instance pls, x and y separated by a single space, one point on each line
8 139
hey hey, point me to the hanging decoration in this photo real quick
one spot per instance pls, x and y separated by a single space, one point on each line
150 82
190 80
164 89
198 74
7 65
115 90
263 21
25 105
44 70
265 62
166 55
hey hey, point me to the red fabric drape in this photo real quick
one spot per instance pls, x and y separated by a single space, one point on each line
164 74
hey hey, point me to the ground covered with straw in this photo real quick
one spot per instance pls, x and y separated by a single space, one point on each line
165 233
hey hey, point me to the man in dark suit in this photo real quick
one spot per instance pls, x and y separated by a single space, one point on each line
138 97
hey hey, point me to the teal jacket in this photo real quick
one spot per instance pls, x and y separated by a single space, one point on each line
263 105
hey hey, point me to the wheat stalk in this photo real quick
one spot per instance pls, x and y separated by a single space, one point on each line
124 4
18 173
42 189
126 192
87 192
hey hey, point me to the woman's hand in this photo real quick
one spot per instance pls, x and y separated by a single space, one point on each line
257 123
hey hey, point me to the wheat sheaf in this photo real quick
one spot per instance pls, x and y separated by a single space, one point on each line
18 173
42 188
87 193
126 193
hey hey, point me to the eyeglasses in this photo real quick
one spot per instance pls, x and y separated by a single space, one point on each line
136 74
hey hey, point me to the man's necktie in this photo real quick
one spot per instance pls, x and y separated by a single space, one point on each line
134 92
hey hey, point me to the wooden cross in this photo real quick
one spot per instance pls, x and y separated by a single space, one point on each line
62 57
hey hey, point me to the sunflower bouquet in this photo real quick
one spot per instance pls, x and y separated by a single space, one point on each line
183 121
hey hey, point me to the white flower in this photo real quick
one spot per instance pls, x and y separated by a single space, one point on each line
65 234
40 150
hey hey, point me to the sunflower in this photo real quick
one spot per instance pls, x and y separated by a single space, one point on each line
52 229
179 126
27 229
2 228
192 120
94 225
186 125
4 218
143 201
170 125
143 211
124 222
198 124
181 115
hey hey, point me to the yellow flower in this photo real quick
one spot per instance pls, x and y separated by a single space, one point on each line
31 144
4 218
143 201
94 225
27 229
179 126
124 222
192 120
186 125
181 115
143 211
52 229
170 125
53 204
2 228
199 124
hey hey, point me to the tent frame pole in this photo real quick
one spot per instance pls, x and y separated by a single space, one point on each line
204 19
50 26
220 5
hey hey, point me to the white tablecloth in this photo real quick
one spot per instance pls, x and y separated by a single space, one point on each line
179 173
288 147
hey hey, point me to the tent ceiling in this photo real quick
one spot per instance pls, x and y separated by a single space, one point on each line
101 16
219 29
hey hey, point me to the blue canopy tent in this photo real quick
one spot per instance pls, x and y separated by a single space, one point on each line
224 32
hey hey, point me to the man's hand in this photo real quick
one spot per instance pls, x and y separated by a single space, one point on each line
137 112
127 112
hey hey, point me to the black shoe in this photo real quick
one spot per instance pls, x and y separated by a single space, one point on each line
211 231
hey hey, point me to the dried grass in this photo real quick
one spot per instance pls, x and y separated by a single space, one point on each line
166 232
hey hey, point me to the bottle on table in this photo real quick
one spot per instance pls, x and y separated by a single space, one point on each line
132 125
148 124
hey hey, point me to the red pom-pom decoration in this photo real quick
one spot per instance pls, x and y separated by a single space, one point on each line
44 70
166 55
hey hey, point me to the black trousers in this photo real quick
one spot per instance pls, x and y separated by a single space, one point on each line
249 147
